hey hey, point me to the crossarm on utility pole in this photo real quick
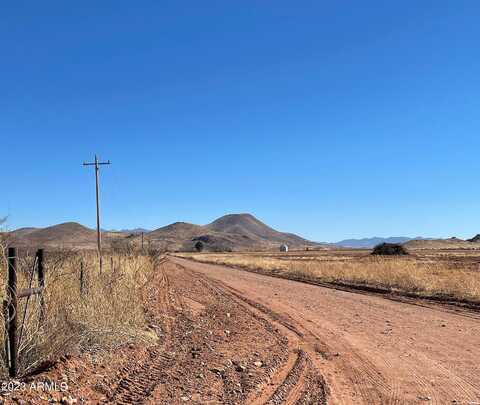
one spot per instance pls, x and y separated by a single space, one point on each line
99 163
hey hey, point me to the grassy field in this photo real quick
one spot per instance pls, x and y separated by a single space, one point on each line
450 274
108 312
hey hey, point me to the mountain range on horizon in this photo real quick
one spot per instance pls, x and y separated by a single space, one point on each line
371 242
230 232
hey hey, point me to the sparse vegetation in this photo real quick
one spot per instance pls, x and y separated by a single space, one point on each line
108 313
401 273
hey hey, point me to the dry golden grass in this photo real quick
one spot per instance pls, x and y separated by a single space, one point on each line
108 313
424 278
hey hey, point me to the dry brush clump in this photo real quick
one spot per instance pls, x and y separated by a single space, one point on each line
389 249
400 274
104 311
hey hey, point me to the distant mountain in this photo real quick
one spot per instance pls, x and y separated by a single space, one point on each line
230 232
23 231
69 235
177 230
475 239
450 243
134 231
368 243
62 235
413 243
248 225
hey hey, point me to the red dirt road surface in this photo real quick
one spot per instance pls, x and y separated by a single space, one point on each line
368 349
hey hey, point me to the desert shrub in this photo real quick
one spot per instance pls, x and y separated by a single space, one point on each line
122 246
389 249
154 254
205 239
199 246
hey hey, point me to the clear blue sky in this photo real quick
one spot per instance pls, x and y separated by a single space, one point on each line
328 119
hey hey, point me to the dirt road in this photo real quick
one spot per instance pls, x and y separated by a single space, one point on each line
228 336
369 350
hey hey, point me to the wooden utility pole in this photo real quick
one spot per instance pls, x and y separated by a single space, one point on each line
97 165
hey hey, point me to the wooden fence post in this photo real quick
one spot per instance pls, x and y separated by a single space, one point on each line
82 280
5 335
41 282
12 311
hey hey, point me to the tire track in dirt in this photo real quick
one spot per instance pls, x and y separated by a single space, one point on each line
145 382
297 339
293 386
218 291
141 380
298 344
269 394
361 373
